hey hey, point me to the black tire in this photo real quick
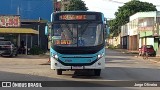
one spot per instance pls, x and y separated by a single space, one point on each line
16 54
154 55
97 72
11 55
59 72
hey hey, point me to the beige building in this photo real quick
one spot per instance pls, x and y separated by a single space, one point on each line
143 29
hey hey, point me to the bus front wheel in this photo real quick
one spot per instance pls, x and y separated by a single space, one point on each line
59 72
97 72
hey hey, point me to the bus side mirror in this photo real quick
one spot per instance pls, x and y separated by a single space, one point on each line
46 30
108 31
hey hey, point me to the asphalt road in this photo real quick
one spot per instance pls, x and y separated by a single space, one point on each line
119 67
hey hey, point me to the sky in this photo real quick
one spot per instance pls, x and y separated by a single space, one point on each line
109 8
27 9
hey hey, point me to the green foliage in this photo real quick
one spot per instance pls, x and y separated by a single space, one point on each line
125 11
114 27
75 5
36 50
111 47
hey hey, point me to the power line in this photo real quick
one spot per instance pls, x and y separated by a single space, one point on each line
118 2
115 1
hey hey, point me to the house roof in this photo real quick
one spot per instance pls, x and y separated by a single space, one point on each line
18 31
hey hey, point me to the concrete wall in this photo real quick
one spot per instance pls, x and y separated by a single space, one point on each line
150 41
140 42
133 42
146 33
115 41
156 41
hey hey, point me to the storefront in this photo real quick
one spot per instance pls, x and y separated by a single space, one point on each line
14 35
10 29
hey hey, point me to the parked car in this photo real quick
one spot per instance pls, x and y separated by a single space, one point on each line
149 48
7 48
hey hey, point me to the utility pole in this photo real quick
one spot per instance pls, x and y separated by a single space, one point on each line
18 10
39 20
38 34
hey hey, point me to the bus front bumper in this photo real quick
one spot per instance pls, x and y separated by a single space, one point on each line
100 64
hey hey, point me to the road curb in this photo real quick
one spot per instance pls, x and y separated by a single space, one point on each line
154 61
149 59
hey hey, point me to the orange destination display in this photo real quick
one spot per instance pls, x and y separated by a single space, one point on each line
77 17
64 42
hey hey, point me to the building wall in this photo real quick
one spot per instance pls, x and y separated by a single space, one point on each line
140 42
124 30
115 41
133 42
146 33
133 35
156 44
124 37
42 37
150 41
148 28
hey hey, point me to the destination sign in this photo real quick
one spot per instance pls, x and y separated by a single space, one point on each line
63 42
77 17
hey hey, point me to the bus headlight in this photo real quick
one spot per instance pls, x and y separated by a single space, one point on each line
100 55
55 56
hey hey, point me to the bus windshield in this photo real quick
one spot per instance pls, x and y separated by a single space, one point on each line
77 35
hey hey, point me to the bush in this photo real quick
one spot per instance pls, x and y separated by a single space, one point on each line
111 47
36 50
118 46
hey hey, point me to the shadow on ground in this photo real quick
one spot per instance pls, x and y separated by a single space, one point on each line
28 56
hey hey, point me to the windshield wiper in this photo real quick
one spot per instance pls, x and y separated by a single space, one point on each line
84 28
68 28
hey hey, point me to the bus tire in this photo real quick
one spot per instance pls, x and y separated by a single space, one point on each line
97 72
16 54
59 72
11 55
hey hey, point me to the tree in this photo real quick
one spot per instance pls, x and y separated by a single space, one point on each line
125 11
75 5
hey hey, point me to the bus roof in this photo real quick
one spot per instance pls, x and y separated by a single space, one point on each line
78 15
77 12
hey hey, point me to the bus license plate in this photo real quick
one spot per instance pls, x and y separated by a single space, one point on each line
77 67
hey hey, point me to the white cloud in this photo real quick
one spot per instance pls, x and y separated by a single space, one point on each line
108 7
